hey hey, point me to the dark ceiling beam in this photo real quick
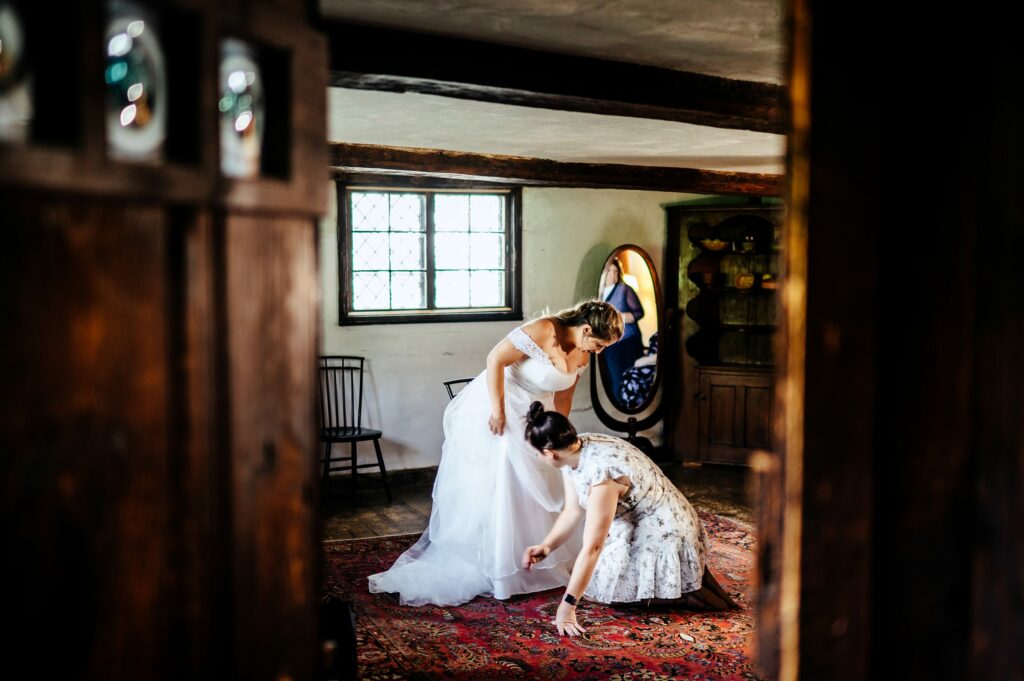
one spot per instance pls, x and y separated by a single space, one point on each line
373 58
363 160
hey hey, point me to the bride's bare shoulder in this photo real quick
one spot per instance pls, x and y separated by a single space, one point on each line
541 330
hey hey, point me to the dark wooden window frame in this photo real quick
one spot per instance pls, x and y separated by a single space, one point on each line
513 308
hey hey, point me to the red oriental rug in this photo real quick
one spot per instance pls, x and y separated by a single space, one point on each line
492 639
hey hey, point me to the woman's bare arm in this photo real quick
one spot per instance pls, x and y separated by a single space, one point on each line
563 399
561 530
601 504
501 355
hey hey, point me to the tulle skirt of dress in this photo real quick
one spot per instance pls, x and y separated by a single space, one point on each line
493 497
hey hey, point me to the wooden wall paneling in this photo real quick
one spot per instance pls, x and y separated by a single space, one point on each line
134 450
87 487
272 299
203 475
953 433
996 642
904 446
830 335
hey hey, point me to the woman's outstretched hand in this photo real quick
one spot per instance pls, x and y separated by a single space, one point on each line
496 423
565 620
535 554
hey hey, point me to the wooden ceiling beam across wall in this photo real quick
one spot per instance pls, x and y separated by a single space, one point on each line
364 160
371 58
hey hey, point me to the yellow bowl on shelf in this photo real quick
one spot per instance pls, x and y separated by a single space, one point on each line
744 280
714 244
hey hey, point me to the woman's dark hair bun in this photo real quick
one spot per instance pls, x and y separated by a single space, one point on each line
548 429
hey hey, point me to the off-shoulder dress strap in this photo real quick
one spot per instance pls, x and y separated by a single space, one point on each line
526 345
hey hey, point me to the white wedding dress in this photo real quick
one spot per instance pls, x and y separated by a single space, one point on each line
493 497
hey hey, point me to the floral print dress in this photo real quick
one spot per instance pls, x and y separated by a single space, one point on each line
656 546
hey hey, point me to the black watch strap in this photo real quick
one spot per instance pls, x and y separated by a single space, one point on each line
570 599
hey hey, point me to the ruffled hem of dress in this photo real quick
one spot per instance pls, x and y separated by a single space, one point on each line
622 578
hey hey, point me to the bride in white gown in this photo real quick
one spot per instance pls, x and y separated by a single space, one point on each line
492 495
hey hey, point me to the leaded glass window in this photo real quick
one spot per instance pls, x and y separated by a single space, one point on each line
428 254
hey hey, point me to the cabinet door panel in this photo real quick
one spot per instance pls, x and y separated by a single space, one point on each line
722 415
758 417
735 414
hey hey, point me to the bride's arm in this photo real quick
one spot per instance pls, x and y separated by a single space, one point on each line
563 399
502 355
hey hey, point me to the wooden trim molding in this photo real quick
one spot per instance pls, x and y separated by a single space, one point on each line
366 159
373 58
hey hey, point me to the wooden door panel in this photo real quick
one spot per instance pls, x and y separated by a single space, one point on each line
722 415
272 303
757 425
87 468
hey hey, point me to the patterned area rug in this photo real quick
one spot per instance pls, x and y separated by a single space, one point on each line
492 639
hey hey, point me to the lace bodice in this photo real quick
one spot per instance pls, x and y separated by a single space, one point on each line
537 372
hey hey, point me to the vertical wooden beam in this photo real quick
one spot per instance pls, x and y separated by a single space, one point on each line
902 537
829 354
997 584
272 300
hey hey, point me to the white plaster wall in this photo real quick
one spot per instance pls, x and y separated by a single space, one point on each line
567 234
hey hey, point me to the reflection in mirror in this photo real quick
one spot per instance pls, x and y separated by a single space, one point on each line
629 367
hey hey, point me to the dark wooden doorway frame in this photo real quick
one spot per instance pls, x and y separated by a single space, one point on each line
367 58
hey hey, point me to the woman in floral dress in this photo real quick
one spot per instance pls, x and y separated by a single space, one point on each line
642 540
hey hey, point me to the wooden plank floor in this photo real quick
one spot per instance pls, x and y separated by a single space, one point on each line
718 489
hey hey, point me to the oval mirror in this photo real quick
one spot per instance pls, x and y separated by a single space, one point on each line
628 369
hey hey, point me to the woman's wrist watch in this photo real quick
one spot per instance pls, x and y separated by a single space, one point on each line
570 599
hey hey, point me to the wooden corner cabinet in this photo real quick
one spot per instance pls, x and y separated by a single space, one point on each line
721 272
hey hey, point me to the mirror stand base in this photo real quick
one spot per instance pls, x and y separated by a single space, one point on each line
641 443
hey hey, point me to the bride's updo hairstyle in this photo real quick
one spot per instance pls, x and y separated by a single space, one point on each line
548 429
604 319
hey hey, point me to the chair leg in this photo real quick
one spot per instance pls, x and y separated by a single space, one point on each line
383 471
353 472
327 472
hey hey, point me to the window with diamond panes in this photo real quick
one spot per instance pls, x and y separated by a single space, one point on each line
417 254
